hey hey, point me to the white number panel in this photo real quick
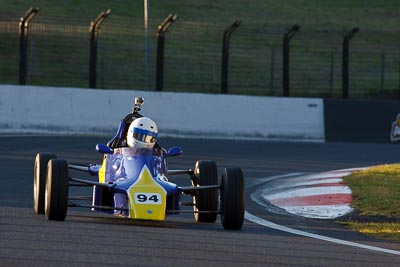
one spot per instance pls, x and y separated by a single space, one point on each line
148 198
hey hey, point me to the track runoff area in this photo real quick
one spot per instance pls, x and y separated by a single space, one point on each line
320 196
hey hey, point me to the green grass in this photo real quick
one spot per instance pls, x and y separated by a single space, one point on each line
376 198
388 231
193 44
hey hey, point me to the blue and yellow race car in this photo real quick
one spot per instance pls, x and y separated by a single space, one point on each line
135 183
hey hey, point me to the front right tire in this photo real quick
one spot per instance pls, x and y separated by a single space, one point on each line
57 187
232 198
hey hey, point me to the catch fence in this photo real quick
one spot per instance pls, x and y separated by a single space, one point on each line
58 54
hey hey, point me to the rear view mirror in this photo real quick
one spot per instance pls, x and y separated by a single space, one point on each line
104 149
174 151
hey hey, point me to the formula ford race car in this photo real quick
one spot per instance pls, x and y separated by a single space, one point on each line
135 183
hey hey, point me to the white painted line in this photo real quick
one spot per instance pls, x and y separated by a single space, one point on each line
271 178
350 169
278 227
305 180
321 182
319 212
312 191
324 175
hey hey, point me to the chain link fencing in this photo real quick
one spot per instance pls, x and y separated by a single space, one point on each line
58 55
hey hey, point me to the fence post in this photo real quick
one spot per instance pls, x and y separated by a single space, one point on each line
285 58
398 91
23 42
225 55
345 62
94 34
382 73
162 28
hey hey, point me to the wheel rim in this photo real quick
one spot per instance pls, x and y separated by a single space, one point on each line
35 184
195 209
221 199
46 198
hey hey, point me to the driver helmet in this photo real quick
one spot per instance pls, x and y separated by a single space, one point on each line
142 133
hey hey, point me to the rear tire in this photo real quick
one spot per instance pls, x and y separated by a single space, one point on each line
56 199
232 198
39 180
206 200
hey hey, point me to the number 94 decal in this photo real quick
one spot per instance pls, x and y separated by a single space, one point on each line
148 198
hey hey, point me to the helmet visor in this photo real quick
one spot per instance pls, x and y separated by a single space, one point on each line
144 135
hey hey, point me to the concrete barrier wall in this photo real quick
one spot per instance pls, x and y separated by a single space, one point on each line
73 110
359 120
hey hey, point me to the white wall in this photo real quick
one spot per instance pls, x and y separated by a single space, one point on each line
73 110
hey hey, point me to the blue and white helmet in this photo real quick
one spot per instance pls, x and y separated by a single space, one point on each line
142 133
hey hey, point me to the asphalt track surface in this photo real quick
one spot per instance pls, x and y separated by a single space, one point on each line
92 239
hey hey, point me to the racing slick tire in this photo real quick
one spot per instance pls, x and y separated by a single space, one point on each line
56 199
39 180
206 200
232 198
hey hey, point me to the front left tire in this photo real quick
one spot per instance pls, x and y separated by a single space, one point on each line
206 200
39 180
